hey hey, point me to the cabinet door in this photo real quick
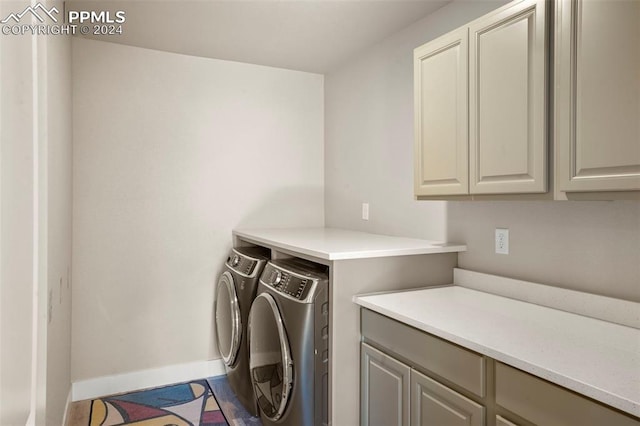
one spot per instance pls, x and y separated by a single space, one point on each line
501 421
433 404
543 403
384 389
597 71
441 140
507 100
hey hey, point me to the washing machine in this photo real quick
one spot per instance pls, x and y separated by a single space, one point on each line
235 291
289 344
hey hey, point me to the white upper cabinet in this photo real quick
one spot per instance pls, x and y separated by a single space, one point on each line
441 103
597 95
507 100
480 106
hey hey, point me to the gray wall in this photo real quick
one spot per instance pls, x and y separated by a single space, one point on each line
369 133
171 152
589 246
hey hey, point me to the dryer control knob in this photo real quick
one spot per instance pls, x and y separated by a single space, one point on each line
235 261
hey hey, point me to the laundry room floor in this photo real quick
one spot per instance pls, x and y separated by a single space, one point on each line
204 402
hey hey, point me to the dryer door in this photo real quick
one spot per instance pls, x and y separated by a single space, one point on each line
228 319
269 357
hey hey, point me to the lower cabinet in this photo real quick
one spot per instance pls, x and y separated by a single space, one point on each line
463 388
394 394
501 421
433 404
384 389
543 403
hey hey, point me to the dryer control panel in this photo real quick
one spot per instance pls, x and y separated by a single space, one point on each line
241 264
247 261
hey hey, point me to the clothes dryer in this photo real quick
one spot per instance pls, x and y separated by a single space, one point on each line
235 291
289 344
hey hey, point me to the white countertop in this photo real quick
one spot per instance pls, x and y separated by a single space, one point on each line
596 358
338 244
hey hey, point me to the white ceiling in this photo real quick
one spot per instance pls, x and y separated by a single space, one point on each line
306 35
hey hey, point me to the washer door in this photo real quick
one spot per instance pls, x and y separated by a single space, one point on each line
228 319
269 357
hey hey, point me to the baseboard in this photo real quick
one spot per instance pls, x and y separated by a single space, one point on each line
109 385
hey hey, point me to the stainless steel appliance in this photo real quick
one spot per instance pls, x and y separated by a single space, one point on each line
235 292
289 344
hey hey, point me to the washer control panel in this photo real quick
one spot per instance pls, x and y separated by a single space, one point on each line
294 284
287 283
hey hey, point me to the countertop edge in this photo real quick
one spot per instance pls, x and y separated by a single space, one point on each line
267 242
438 248
616 401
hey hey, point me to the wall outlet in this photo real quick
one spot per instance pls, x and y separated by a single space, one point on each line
502 241
365 211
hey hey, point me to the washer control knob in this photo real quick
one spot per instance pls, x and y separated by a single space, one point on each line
235 260
276 278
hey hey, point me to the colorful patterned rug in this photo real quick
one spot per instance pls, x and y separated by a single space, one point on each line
186 404
233 410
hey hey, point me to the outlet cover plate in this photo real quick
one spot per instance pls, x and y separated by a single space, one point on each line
502 241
